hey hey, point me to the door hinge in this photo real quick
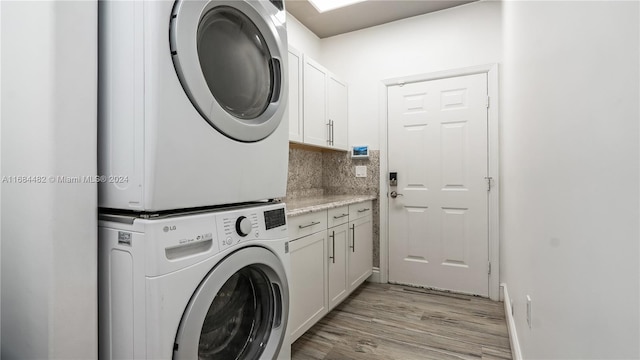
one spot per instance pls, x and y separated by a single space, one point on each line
489 268
488 101
489 179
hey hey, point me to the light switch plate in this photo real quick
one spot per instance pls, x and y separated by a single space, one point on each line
361 171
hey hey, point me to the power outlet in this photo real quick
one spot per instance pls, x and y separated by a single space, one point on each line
529 319
361 171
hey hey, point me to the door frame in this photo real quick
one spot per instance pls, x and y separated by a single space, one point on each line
493 163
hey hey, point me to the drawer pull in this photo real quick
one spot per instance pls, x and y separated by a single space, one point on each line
308 225
363 210
340 216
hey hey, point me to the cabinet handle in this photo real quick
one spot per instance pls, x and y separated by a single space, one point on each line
306 226
363 210
353 237
329 133
340 216
333 247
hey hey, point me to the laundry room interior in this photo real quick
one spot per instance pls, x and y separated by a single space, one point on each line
416 179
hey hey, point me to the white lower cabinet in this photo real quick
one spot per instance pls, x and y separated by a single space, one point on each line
307 286
360 253
338 283
331 255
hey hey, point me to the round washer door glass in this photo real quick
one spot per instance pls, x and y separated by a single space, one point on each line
239 310
235 62
239 320
228 56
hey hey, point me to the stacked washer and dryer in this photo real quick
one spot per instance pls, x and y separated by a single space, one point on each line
193 250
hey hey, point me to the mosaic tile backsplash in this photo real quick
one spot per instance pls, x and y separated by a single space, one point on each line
316 173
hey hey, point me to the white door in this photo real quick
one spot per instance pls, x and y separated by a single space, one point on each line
438 223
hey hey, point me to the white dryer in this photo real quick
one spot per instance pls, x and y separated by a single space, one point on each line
200 286
192 101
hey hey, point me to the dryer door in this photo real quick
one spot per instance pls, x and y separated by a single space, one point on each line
229 58
239 311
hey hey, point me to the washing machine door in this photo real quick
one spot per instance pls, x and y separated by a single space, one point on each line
229 57
239 311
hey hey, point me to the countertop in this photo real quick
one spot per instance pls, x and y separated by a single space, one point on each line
307 205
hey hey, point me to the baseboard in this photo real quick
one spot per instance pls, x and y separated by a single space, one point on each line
511 324
375 276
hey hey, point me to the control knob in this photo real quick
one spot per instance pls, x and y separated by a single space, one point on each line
243 226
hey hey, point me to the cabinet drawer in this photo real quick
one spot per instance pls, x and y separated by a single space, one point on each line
338 216
359 210
307 224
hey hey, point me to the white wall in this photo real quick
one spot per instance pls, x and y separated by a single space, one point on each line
302 38
49 250
570 161
460 37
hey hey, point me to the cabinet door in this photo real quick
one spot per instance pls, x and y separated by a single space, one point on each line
360 252
337 109
294 107
337 245
315 104
308 285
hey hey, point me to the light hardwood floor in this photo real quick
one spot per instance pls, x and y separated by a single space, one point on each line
385 321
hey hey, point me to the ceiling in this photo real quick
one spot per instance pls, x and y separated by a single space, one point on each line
363 14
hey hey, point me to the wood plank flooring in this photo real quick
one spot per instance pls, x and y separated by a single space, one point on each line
385 321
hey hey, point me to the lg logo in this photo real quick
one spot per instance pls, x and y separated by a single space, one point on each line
169 228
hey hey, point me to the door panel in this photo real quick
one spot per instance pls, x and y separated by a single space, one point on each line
438 230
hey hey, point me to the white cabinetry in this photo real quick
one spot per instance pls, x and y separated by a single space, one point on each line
308 285
331 255
337 112
316 127
325 107
360 253
338 236
295 95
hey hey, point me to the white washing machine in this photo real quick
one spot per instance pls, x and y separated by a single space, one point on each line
210 285
192 101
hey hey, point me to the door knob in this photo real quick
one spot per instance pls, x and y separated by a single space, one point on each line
394 194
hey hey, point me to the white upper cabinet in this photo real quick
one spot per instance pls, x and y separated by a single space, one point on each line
324 105
337 108
295 95
316 126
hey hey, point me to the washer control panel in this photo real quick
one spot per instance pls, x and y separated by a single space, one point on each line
264 223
